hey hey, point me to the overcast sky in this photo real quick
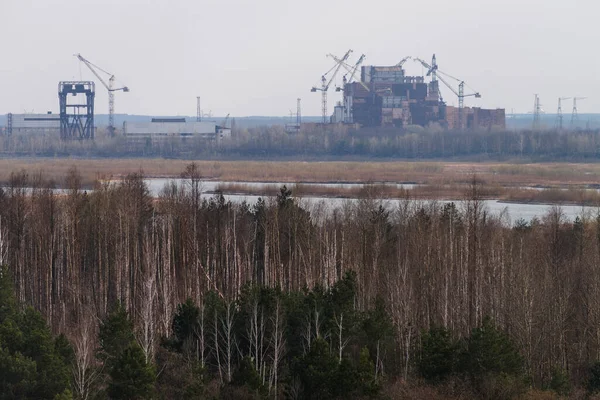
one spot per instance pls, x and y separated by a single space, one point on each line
257 57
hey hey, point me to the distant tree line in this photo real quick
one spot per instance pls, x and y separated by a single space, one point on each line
194 295
330 142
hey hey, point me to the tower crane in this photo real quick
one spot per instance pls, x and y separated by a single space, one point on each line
436 74
109 86
352 70
401 63
225 121
325 83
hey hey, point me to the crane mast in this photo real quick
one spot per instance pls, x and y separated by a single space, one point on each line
435 73
110 86
325 83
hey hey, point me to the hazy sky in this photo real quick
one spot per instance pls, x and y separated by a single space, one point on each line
257 57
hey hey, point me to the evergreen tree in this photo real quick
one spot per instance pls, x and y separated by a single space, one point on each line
368 383
559 382
33 363
594 378
246 375
8 303
317 371
439 353
17 375
116 335
185 323
490 351
493 363
131 377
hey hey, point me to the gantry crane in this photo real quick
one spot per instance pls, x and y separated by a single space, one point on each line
111 90
435 73
325 83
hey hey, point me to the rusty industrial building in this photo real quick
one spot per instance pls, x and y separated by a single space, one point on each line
386 97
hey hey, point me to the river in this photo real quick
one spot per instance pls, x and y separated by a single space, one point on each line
511 211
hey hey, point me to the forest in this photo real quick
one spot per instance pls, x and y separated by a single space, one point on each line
113 293
330 143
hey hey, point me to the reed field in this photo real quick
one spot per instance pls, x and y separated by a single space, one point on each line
539 182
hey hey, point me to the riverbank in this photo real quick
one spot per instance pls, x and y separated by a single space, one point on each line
560 175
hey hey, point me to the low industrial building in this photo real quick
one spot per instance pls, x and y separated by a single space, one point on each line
42 124
169 128
476 118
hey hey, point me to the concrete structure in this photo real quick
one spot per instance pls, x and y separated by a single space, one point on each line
41 124
387 97
165 128
475 118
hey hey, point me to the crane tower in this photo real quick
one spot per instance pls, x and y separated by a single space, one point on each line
436 74
110 87
325 83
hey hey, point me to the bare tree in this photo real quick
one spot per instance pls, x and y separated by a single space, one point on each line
85 370
342 342
229 340
277 346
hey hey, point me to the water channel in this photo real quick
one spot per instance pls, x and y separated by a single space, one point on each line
511 211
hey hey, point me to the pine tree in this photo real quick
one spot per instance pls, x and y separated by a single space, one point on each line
185 323
17 375
317 371
131 377
116 335
489 350
439 353
33 363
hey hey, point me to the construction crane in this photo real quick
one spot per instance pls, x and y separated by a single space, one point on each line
325 82
225 121
559 113
435 73
405 59
352 70
110 86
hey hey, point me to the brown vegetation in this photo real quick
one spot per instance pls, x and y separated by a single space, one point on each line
433 173
588 197
74 256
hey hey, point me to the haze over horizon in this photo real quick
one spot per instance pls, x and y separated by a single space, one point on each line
256 58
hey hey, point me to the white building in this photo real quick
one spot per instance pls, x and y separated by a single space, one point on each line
164 128
32 123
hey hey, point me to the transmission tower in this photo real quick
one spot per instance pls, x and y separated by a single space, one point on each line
574 116
299 114
537 108
198 110
559 113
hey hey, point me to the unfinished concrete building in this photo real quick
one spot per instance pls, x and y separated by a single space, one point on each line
386 97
